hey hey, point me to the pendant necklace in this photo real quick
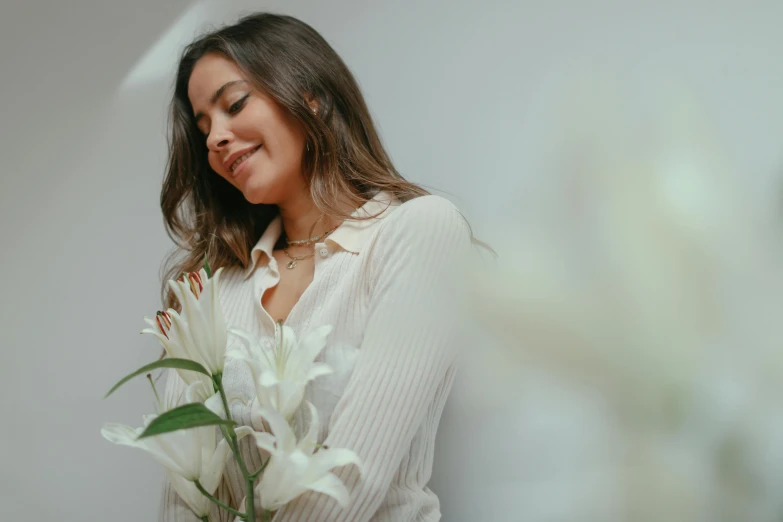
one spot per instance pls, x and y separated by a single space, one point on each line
294 259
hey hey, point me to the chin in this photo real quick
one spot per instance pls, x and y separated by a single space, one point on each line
258 195
265 188
257 200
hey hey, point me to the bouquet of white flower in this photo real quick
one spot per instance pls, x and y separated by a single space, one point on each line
183 438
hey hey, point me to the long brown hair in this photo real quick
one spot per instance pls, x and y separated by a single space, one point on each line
344 161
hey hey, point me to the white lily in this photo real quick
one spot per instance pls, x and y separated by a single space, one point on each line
296 467
281 374
187 490
199 333
189 455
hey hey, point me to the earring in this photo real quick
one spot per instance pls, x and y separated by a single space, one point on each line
307 146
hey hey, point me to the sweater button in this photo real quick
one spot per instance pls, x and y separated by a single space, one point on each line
323 252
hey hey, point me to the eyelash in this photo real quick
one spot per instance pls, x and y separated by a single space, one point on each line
237 105
234 108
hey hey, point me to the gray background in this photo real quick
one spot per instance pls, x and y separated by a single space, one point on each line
462 92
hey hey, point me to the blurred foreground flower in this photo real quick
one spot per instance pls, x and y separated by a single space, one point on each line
653 277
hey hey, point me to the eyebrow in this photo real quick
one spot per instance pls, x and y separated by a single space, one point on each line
217 95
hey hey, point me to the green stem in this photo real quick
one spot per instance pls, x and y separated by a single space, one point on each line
267 515
218 380
259 470
233 443
205 518
216 501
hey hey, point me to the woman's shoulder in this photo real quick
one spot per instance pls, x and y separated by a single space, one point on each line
424 220
426 239
426 211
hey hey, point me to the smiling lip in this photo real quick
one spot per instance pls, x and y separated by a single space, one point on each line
231 159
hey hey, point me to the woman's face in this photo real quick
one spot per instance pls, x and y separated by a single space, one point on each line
240 121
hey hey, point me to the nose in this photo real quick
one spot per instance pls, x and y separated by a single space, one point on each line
218 138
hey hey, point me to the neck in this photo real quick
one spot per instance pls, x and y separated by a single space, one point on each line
302 219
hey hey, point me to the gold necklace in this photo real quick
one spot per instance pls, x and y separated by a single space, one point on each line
292 264
311 240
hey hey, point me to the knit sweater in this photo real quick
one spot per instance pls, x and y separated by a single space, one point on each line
386 285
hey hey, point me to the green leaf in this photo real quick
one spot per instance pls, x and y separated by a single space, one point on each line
183 364
207 269
186 416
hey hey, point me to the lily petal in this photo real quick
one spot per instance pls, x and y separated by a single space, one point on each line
325 459
286 440
243 431
318 369
307 444
210 477
119 434
188 491
196 391
330 485
215 405
265 441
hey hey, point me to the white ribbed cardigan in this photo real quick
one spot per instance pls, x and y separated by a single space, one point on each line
386 286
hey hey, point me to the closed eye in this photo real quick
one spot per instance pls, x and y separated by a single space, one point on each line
237 105
232 109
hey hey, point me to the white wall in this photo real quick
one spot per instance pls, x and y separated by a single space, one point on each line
463 93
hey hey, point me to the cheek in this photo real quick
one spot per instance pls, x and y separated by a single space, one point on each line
215 163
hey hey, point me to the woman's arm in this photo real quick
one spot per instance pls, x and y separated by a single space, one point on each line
408 346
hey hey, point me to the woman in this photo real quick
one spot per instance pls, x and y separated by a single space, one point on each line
277 173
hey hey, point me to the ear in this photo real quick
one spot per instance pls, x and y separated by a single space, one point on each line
312 102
